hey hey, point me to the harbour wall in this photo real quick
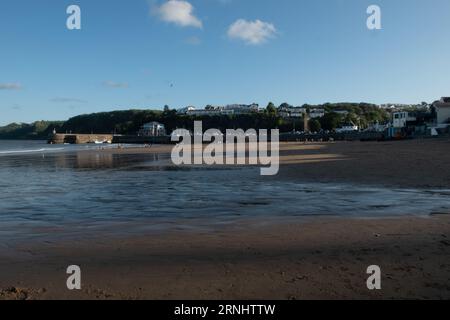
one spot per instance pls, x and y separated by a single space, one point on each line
79 138
131 139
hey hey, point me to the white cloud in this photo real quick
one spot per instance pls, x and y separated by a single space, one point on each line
179 12
10 86
252 32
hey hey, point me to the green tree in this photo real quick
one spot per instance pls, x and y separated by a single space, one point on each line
285 105
314 125
271 109
330 121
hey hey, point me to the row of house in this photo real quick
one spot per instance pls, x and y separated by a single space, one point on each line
299 112
437 117
398 106
232 109
237 109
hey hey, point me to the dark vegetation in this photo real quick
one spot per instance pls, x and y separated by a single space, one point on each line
130 121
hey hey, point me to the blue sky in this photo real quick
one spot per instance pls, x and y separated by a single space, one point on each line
145 54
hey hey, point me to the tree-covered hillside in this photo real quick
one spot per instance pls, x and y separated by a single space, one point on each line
129 121
36 130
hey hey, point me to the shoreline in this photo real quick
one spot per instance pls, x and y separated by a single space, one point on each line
420 163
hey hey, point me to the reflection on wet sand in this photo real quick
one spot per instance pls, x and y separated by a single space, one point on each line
107 160
98 188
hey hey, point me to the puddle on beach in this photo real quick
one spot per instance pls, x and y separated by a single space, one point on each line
59 193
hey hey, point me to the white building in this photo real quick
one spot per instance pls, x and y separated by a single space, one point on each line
387 106
186 110
316 113
394 106
152 129
210 111
232 109
399 119
443 110
242 108
299 112
292 112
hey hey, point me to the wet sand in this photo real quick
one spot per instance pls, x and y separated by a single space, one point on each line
316 259
321 259
411 164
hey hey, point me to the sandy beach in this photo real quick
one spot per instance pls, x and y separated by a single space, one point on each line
316 258
324 259
410 164
421 163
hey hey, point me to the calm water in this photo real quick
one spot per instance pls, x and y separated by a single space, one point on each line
48 191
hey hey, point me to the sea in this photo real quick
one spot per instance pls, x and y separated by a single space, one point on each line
64 192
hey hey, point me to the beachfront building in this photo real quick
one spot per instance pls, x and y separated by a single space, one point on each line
443 110
152 129
400 119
